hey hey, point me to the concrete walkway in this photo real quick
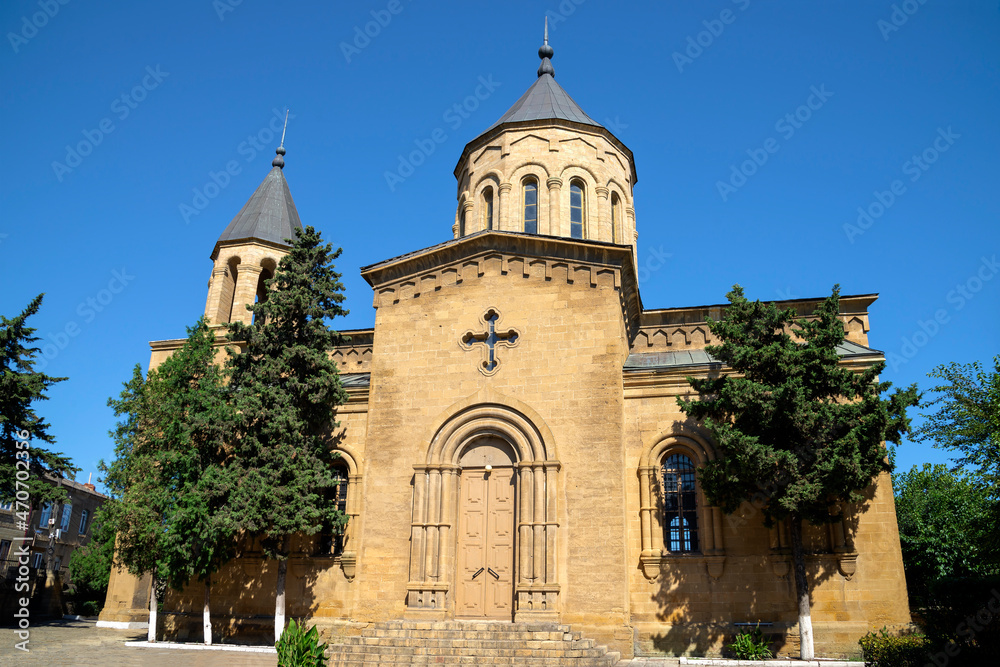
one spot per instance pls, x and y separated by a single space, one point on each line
59 643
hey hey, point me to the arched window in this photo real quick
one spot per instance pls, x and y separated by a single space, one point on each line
616 212
576 210
530 200
331 541
680 505
461 221
488 208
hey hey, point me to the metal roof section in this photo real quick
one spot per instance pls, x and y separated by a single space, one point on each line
662 361
545 100
355 380
270 214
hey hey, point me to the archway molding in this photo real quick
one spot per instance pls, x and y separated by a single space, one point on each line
436 506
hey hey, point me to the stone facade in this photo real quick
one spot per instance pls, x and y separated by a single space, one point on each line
533 352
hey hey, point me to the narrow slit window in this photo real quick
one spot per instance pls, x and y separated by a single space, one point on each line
680 505
531 207
576 210
488 208
616 211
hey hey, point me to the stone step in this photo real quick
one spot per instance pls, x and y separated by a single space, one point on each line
557 635
430 636
524 652
469 643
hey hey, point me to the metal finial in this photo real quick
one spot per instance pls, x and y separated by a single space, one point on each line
280 161
545 52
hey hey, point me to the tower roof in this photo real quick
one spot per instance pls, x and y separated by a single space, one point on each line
269 215
545 100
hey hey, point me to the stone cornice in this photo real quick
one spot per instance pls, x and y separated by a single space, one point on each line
590 263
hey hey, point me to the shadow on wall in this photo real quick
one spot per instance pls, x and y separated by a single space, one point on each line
700 597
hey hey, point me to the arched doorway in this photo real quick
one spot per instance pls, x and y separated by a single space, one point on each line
485 575
452 486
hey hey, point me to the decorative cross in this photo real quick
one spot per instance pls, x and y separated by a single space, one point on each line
491 338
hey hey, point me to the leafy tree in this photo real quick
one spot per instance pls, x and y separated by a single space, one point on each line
968 416
20 386
172 519
90 565
792 426
967 421
944 521
286 386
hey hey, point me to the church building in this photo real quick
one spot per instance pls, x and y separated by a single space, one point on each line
513 450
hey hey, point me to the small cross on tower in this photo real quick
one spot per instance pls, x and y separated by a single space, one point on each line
490 338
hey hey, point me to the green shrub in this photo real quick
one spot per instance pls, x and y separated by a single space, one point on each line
90 608
300 648
750 645
880 649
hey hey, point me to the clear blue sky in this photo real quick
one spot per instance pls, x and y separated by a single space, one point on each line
209 79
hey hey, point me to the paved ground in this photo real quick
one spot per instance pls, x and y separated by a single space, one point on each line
81 643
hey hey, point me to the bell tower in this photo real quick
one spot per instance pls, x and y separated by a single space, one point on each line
248 251
547 168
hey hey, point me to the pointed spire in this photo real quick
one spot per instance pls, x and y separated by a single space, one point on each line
545 52
279 161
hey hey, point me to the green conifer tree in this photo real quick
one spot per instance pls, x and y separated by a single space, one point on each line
286 388
20 386
795 430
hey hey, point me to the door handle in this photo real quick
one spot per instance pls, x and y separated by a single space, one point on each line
495 575
478 572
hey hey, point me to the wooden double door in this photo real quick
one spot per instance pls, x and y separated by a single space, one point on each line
485 577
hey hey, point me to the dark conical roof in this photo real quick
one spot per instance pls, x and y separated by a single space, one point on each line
544 100
269 215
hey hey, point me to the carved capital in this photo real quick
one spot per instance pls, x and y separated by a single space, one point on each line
505 188
554 183
601 191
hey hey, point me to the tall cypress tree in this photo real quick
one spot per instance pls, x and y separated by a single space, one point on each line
794 429
170 482
20 386
286 387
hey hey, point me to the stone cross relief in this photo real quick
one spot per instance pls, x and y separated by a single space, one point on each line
491 339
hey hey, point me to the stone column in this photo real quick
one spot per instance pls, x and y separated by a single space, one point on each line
503 213
220 296
525 487
554 223
433 521
247 278
471 225
538 555
551 522
602 219
417 524
646 508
